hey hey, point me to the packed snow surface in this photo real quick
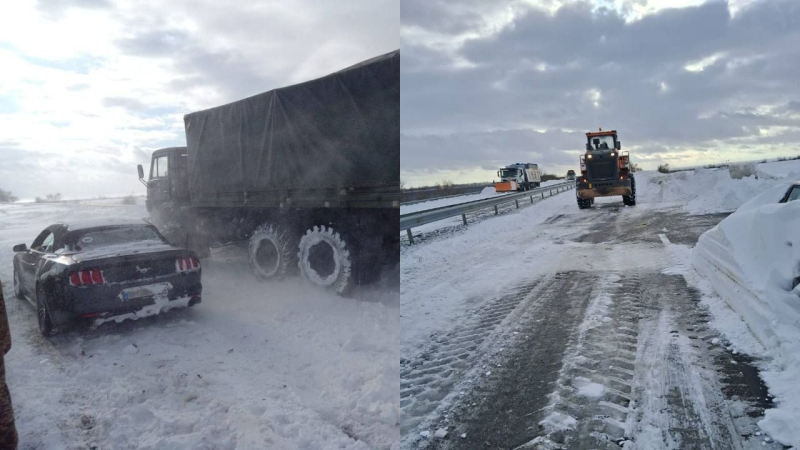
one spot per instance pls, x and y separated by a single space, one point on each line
445 278
254 366
751 259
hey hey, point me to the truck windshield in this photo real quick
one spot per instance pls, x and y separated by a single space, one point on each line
602 142
508 173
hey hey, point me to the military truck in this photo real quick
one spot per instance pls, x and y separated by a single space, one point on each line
307 175
605 170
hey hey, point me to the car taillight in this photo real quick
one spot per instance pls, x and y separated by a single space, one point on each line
186 264
89 277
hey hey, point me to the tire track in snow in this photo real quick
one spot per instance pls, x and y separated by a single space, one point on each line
593 401
427 380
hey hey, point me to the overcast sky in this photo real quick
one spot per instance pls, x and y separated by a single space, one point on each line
88 88
485 84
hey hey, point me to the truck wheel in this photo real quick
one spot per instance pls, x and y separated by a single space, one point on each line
271 252
630 200
324 259
584 203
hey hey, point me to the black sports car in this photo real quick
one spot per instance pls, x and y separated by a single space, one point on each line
109 270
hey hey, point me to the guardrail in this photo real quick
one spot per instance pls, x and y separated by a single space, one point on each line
415 219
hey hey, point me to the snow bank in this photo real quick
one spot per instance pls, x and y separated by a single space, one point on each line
751 258
703 191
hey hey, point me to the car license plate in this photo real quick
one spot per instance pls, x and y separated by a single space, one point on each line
150 290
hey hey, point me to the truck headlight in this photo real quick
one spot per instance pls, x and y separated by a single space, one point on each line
613 154
589 156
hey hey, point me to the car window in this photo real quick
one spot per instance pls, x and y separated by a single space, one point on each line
794 194
120 235
44 242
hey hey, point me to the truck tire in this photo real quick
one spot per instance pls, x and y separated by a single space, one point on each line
630 200
324 259
271 252
584 203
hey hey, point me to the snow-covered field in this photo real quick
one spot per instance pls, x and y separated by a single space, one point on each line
456 278
487 192
452 222
254 366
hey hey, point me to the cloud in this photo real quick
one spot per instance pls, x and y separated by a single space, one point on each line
93 87
692 82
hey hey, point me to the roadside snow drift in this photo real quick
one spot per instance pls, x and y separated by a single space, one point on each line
751 258
704 191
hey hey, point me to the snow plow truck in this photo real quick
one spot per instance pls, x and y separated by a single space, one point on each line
306 177
605 170
518 177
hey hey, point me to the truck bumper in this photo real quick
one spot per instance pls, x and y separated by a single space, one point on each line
108 300
609 188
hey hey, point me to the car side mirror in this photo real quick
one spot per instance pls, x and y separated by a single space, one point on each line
141 171
20 248
618 145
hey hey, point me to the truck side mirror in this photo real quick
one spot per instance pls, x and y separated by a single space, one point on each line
141 171
20 248
588 147
618 145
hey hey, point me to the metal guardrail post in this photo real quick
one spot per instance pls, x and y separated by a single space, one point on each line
531 198
495 210
464 218
517 202
410 236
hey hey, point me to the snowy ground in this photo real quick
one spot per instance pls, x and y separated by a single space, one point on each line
552 326
254 365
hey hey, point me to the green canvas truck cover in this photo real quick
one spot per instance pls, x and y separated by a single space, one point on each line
332 134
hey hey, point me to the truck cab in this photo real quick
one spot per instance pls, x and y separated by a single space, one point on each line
168 180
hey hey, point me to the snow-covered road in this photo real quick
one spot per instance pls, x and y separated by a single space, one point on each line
254 366
552 327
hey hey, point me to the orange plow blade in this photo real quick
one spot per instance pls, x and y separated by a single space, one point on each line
505 186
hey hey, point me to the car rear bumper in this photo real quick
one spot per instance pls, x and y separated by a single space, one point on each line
121 298
604 188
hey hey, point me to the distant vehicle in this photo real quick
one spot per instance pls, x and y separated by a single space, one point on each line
570 175
103 269
518 177
605 170
792 194
309 174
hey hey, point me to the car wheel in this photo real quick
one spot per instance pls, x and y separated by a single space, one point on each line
271 252
324 259
17 285
43 314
